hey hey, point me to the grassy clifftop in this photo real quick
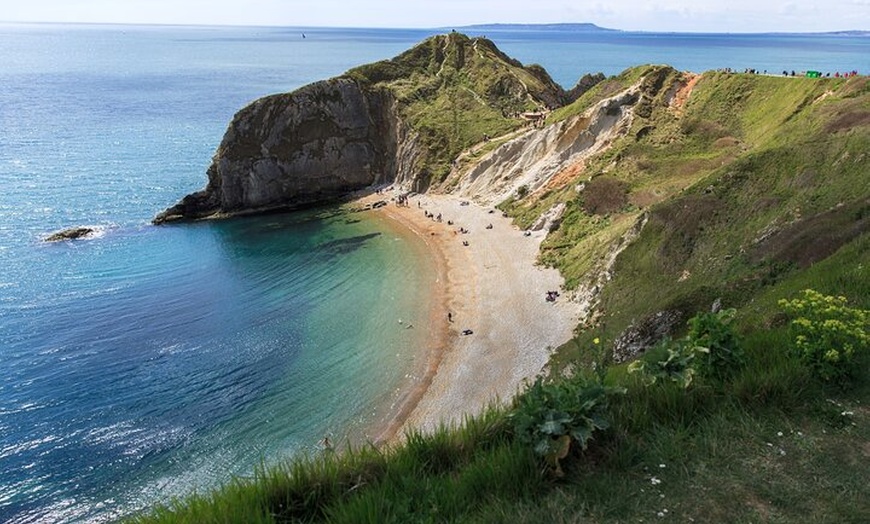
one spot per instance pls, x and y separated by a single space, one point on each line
454 90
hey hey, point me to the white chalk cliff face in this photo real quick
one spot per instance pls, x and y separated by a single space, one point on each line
534 158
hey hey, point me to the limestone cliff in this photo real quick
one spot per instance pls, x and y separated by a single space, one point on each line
534 158
402 121
290 150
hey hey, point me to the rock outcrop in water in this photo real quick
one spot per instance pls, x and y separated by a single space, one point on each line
72 233
402 120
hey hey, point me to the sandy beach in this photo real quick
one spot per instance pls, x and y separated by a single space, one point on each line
492 287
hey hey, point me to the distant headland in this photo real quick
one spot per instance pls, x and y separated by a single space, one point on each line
579 27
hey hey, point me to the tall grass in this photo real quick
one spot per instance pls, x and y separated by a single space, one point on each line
448 472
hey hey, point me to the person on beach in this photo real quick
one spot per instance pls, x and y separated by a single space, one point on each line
449 317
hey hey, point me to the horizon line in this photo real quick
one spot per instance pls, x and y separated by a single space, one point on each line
437 28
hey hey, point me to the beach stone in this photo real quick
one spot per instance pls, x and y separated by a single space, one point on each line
550 220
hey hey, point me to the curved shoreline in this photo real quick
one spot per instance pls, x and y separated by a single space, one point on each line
490 286
436 341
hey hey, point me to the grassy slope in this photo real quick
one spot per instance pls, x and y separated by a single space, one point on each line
453 90
758 179
725 458
758 190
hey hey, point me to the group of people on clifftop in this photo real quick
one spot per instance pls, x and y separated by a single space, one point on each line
793 73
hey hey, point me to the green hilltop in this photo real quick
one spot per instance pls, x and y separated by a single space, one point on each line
726 192
454 90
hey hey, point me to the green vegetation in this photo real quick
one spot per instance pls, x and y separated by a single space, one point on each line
711 349
829 336
553 414
602 90
751 183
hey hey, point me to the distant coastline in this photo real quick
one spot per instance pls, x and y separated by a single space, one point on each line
593 28
579 27
576 27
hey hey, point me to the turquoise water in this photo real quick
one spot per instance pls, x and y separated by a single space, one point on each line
147 362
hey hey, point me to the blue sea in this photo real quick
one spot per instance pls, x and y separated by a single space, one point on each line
148 362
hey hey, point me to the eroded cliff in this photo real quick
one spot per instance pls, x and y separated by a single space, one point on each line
291 150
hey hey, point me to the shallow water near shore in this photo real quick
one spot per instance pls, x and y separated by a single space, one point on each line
145 362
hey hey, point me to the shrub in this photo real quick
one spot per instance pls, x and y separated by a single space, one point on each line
678 364
522 191
722 353
710 349
551 415
828 336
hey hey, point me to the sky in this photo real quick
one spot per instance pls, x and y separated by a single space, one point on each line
732 16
